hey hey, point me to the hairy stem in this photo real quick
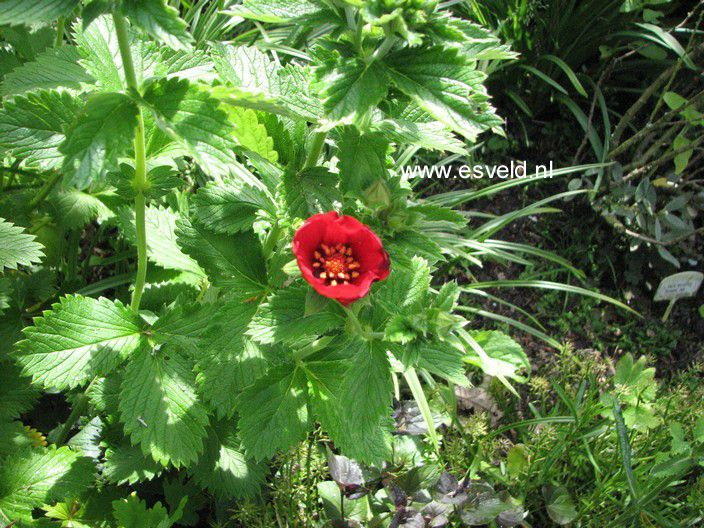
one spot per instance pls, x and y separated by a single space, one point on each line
271 239
44 191
78 410
316 147
140 159
60 32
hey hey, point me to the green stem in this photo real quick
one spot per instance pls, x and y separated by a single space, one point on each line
44 191
312 348
316 147
77 411
60 32
272 239
385 47
140 159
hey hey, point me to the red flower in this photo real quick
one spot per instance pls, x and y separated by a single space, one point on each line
340 256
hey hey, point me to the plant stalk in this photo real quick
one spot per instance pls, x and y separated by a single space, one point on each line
77 411
140 159
44 191
316 147
60 32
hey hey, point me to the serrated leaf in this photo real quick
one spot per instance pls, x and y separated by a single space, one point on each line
223 468
87 440
159 407
103 131
162 243
227 360
133 513
17 247
195 65
99 47
159 20
31 127
32 12
432 135
363 159
350 87
194 119
75 208
439 81
400 330
443 360
283 91
250 134
273 412
52 69
78 339
309 192
353 400
234 261
404 287
230 206
507 356
282 318
105 393
38 476
126 463
17 395
408 243
275 11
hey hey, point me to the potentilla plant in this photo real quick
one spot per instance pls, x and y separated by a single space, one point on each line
282 270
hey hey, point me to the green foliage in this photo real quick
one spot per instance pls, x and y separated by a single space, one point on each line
37 476
18 247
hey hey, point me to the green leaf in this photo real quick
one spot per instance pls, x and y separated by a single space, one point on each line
405 287
364 158
184 325
194 119
432 135
275 11
103 131
273 412
282 318
507 356
560 506
195 65
162 246
350 87
251 134
39 476
227 360
408 243
159 20
231 206
31 127
360 423
17 395
17 247
439 81
234 262
443 360
126 463
54 68
159 407
33 12
309 192
223 468
99 47
75 208
280 90
133 513
682 159
78 339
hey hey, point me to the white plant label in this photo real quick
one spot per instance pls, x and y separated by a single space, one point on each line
679 285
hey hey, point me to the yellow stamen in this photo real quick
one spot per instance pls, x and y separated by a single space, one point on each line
340 275
323 275
354 274
354 265
326 249
316 264
333 283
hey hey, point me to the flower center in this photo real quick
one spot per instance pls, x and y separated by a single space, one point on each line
335 264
